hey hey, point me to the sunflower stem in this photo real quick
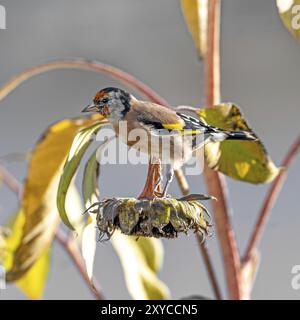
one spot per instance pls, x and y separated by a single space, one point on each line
215 181
209 267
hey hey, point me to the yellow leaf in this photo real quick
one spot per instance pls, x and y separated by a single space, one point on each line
242 168
34 280
40 189
195 14
3 234
153 251
289 11
140 275
242 160
32 283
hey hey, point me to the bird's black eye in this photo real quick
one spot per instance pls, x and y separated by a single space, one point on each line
104 100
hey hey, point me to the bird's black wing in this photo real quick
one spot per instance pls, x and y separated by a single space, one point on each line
195 124
211 133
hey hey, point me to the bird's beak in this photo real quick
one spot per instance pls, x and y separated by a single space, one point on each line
90 108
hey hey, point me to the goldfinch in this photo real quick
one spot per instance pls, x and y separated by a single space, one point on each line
160 123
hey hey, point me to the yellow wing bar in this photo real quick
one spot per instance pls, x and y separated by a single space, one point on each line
179 127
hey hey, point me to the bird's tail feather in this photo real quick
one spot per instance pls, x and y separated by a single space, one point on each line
240 135
219 135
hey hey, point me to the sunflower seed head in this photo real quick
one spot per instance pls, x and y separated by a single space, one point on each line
161 217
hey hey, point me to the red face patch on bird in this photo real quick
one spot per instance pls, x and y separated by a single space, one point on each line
100 100
99 96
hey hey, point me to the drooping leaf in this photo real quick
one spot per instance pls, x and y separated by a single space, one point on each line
32 283
153 251
242 160
195 13
88 245
91 195
74 207
289 11
141 280
79 145
90 187
39 197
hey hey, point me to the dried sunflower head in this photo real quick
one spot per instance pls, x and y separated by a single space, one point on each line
160 217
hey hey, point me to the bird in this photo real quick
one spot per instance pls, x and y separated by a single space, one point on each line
184 133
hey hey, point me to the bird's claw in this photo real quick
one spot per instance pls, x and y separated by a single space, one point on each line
160 195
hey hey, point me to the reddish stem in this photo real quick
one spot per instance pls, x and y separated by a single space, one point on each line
215 181
182 182
13 184
270 200
84 64
209 267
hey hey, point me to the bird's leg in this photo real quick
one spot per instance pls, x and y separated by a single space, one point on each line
158 182
169 177
154 172
157 188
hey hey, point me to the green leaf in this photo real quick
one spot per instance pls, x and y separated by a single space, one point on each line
140 267
79 146
33 281
195 13
289 11
242 160
91 173
90 188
